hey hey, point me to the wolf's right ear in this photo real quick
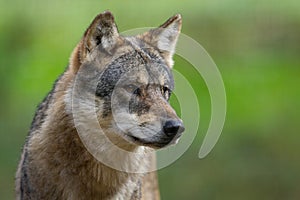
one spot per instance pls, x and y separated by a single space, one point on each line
102 33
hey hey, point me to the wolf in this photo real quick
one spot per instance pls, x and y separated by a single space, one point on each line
95 134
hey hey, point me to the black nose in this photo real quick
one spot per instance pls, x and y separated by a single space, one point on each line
173 127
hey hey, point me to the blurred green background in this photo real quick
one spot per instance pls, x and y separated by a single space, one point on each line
255 44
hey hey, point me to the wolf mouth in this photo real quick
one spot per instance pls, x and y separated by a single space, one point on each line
154 142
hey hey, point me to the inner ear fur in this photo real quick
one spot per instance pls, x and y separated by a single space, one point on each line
165 37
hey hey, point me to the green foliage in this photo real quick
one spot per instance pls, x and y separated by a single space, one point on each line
256 47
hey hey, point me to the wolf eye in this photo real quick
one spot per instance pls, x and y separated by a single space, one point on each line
133 89
166 92
137 91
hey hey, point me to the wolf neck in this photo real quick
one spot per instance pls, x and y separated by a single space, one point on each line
64 150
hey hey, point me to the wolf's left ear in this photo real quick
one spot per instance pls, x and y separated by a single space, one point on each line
164 38
102 33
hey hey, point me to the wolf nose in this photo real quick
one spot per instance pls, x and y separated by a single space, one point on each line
173 127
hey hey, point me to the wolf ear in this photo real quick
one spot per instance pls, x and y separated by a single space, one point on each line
102 32
164 38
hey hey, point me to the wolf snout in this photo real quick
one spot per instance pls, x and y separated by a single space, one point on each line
173 127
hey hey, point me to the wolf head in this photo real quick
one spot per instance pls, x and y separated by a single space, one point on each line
127 81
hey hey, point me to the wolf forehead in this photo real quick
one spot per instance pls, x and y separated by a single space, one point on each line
137 67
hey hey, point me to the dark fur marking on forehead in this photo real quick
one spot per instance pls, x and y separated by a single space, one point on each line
114 71
121 65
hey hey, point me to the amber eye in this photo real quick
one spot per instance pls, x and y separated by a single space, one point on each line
166 92
133 89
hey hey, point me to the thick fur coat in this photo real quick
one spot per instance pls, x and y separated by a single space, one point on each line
125 83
